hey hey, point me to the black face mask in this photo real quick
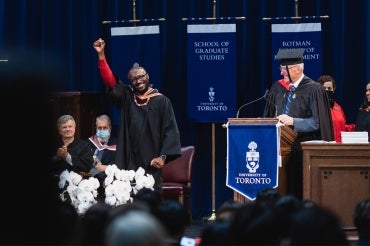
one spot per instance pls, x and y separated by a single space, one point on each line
331 97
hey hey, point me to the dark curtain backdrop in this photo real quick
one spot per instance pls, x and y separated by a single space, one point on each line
58 35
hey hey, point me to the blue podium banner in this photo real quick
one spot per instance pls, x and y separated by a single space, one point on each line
252 158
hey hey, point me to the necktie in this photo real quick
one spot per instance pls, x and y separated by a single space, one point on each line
289 99
99 153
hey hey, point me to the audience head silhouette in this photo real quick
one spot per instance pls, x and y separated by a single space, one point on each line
361 219
137 228
316 226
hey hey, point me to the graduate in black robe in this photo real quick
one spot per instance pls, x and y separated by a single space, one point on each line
148 133
363 115
308 115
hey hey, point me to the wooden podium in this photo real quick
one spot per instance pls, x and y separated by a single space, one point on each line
336 176
287 137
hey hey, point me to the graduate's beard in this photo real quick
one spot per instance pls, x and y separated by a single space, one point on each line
103 139
142 91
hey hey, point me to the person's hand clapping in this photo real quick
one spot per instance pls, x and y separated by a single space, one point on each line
62 152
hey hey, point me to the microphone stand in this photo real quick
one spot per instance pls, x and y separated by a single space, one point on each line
248 103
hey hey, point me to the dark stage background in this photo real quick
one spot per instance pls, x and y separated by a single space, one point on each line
58 36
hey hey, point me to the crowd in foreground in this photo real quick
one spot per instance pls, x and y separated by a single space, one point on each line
271 219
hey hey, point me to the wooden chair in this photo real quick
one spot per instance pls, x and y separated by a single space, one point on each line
176 175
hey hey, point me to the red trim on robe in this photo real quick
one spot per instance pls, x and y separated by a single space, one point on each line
284 84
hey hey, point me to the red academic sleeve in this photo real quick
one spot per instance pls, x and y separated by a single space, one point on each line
106 73
350 127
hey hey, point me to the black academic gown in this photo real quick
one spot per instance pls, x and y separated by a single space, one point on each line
108 155
82 157
145 132
310 100
363 122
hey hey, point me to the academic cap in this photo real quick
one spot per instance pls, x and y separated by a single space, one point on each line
290 56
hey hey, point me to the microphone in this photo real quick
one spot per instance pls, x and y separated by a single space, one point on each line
256 100
268 100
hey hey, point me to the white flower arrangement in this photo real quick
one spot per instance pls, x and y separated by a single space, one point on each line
119 186
81 192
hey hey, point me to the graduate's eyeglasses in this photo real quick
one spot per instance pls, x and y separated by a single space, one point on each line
139 77
284 68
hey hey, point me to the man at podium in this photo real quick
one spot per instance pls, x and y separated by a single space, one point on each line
302 104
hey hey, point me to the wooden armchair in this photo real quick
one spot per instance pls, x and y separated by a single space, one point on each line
177 178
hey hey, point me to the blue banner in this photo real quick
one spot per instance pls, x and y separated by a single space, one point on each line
211 76
252 158
136 44
303 35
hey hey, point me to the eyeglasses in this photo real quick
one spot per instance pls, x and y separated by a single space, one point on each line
139 77
284 68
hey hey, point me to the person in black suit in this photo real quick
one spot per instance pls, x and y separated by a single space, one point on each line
72 153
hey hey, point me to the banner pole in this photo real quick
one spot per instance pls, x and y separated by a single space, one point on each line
134 9
296 16
213 215
214 19
296 10
134 19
